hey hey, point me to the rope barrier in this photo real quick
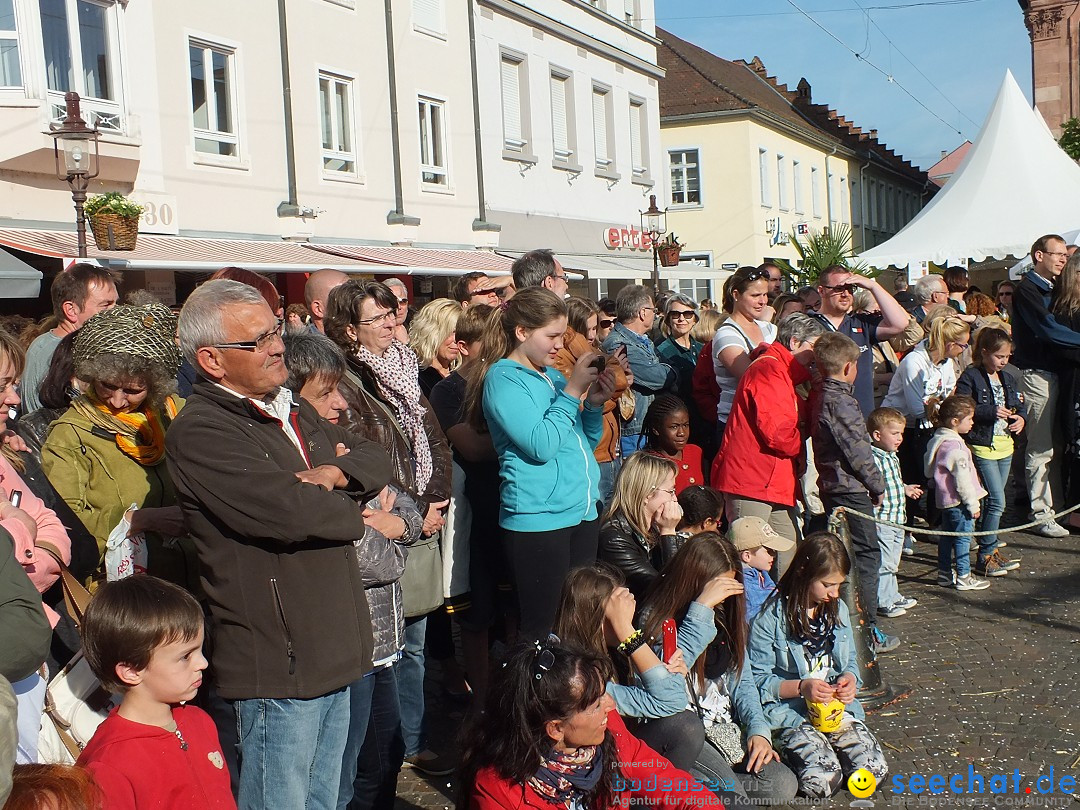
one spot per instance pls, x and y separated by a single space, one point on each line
833 519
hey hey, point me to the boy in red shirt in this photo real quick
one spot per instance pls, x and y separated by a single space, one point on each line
143 638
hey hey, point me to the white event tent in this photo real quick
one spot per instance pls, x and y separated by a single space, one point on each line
1014 185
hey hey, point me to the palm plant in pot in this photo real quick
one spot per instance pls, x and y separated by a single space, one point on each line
114 220
669 250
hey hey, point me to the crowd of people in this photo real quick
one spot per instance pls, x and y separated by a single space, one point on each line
615 509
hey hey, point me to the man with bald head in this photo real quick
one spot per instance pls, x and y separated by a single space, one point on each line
317 290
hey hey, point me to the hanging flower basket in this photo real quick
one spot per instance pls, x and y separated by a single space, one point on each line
669 255
114 221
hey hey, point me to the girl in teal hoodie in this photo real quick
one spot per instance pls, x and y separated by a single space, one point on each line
544 428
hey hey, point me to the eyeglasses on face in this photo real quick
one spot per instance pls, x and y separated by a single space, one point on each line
607 323
259 344
403 302
682 314
839 289
1064 253
384 316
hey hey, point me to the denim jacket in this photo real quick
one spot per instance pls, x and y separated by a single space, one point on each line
651 377
776 657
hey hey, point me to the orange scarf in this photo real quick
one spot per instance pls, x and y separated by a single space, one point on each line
140 435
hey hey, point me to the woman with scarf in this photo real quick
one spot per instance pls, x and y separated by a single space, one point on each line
560 743
106 454
382 389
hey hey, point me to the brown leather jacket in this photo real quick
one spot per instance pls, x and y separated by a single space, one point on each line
372 418
574 346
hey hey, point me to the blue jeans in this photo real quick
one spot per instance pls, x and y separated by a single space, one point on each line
609 471
291 751
383 748
955 519
410 685
359 717
892 545
994 474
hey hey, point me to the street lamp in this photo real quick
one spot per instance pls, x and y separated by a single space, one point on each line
654 223
75 161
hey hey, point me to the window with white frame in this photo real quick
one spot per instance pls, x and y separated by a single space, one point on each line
883 207
872 203
213 99
10 69
815 190
433 165
781 181
843 199
427 16
603 134
697 288
830 198
630 12
563 131
515 104
82 54
336 119
685 177
796 181
856 203
763 177
639 145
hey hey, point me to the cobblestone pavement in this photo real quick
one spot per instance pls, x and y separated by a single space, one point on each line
992 679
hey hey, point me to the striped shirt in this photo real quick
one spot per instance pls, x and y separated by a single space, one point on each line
893 504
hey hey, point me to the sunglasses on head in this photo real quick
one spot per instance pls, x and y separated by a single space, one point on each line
754 275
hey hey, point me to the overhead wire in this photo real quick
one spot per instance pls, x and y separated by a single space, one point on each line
892 7
888 76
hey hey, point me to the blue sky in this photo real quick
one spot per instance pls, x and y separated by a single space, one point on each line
962 46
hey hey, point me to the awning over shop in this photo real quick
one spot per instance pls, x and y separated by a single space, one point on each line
17 278
421 261
207 255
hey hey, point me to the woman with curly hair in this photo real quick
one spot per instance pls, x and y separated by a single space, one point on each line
106 454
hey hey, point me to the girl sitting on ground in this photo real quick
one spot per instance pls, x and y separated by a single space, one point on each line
802 651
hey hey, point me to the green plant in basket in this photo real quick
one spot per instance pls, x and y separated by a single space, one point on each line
113 202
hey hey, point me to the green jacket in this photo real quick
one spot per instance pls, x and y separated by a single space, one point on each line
24 631
100 483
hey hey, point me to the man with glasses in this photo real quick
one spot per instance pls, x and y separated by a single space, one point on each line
930 290
636 313
479 288
836 286
1038 339
272 495
540 268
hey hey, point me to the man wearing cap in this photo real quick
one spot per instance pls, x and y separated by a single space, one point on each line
758 546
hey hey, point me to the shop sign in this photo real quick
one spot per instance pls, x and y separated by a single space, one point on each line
628 239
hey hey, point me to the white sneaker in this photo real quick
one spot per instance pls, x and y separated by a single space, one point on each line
970 582
1051 529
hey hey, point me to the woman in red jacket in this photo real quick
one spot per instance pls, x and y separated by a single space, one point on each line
756 467
558 742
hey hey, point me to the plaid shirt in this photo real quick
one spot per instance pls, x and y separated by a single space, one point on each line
893 505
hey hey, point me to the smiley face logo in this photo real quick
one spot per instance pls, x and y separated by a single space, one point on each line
861 783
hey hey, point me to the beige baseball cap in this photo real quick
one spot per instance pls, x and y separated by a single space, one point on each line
750 532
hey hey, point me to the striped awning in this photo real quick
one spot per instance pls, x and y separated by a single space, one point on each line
191 254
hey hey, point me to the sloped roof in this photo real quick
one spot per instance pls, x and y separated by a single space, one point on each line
700 82
1014 185
947 166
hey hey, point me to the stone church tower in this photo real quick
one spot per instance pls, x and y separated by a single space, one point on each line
1054 27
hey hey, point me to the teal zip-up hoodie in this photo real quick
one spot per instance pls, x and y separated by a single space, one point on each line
545 441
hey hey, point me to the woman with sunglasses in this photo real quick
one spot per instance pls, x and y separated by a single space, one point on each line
680 350
560 743
746 300
637 534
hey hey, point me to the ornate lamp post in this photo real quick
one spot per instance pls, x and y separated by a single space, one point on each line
75 161
654 223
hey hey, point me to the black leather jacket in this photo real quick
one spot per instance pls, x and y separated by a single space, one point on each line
639 561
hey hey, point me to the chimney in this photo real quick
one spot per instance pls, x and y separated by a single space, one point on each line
804 90
873 134
944 153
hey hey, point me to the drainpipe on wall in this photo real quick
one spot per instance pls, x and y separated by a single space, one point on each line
480 223
862 205
291 206
397 215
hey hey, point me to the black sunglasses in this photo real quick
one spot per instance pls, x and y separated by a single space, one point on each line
606 324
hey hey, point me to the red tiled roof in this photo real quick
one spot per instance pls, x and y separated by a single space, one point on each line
947 166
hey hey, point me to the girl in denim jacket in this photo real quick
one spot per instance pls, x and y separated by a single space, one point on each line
802 649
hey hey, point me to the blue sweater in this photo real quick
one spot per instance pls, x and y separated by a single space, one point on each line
545 442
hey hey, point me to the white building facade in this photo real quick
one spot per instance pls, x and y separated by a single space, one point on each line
570 131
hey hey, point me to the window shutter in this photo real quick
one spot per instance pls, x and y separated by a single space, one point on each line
558 116
427 14
600 137
511 96
635 137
